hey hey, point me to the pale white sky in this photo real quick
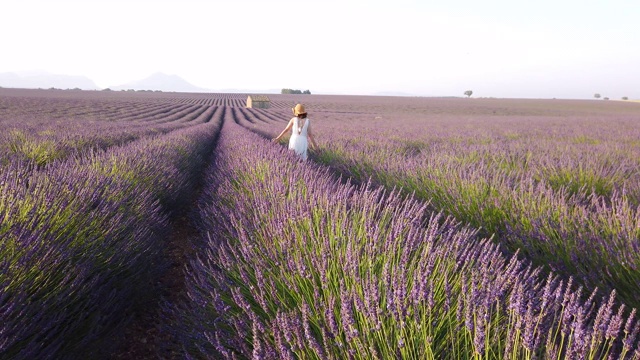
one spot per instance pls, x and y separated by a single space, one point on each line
499 48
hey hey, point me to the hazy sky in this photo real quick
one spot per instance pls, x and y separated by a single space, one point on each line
543 48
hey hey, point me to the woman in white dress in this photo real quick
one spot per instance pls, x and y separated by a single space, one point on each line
301 134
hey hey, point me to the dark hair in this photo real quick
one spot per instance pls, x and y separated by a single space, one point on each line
302 116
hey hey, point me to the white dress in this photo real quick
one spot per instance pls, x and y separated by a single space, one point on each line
298 141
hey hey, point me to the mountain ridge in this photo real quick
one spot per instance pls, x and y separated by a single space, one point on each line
161 82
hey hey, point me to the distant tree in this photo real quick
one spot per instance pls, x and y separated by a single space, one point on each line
468 93
606 98
296 92
107 89
596 95
625 98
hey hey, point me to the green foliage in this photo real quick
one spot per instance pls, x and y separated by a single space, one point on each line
40 151
295 92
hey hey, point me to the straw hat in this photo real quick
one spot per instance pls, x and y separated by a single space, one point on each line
299 109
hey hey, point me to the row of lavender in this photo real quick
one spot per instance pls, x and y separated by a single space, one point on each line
82 239
297 265
569 201
562 190
41 130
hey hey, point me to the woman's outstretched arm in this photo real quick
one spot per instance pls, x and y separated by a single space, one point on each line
289 126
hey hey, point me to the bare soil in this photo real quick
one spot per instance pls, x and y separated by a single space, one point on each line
148 337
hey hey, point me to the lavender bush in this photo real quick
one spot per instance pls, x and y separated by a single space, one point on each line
562 189
45 130
76 244
82 240
298 265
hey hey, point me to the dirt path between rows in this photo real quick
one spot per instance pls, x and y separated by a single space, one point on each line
148 337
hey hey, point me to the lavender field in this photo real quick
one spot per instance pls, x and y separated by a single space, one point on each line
168 225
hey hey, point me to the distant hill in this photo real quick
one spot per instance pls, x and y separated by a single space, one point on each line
45 80
162 82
